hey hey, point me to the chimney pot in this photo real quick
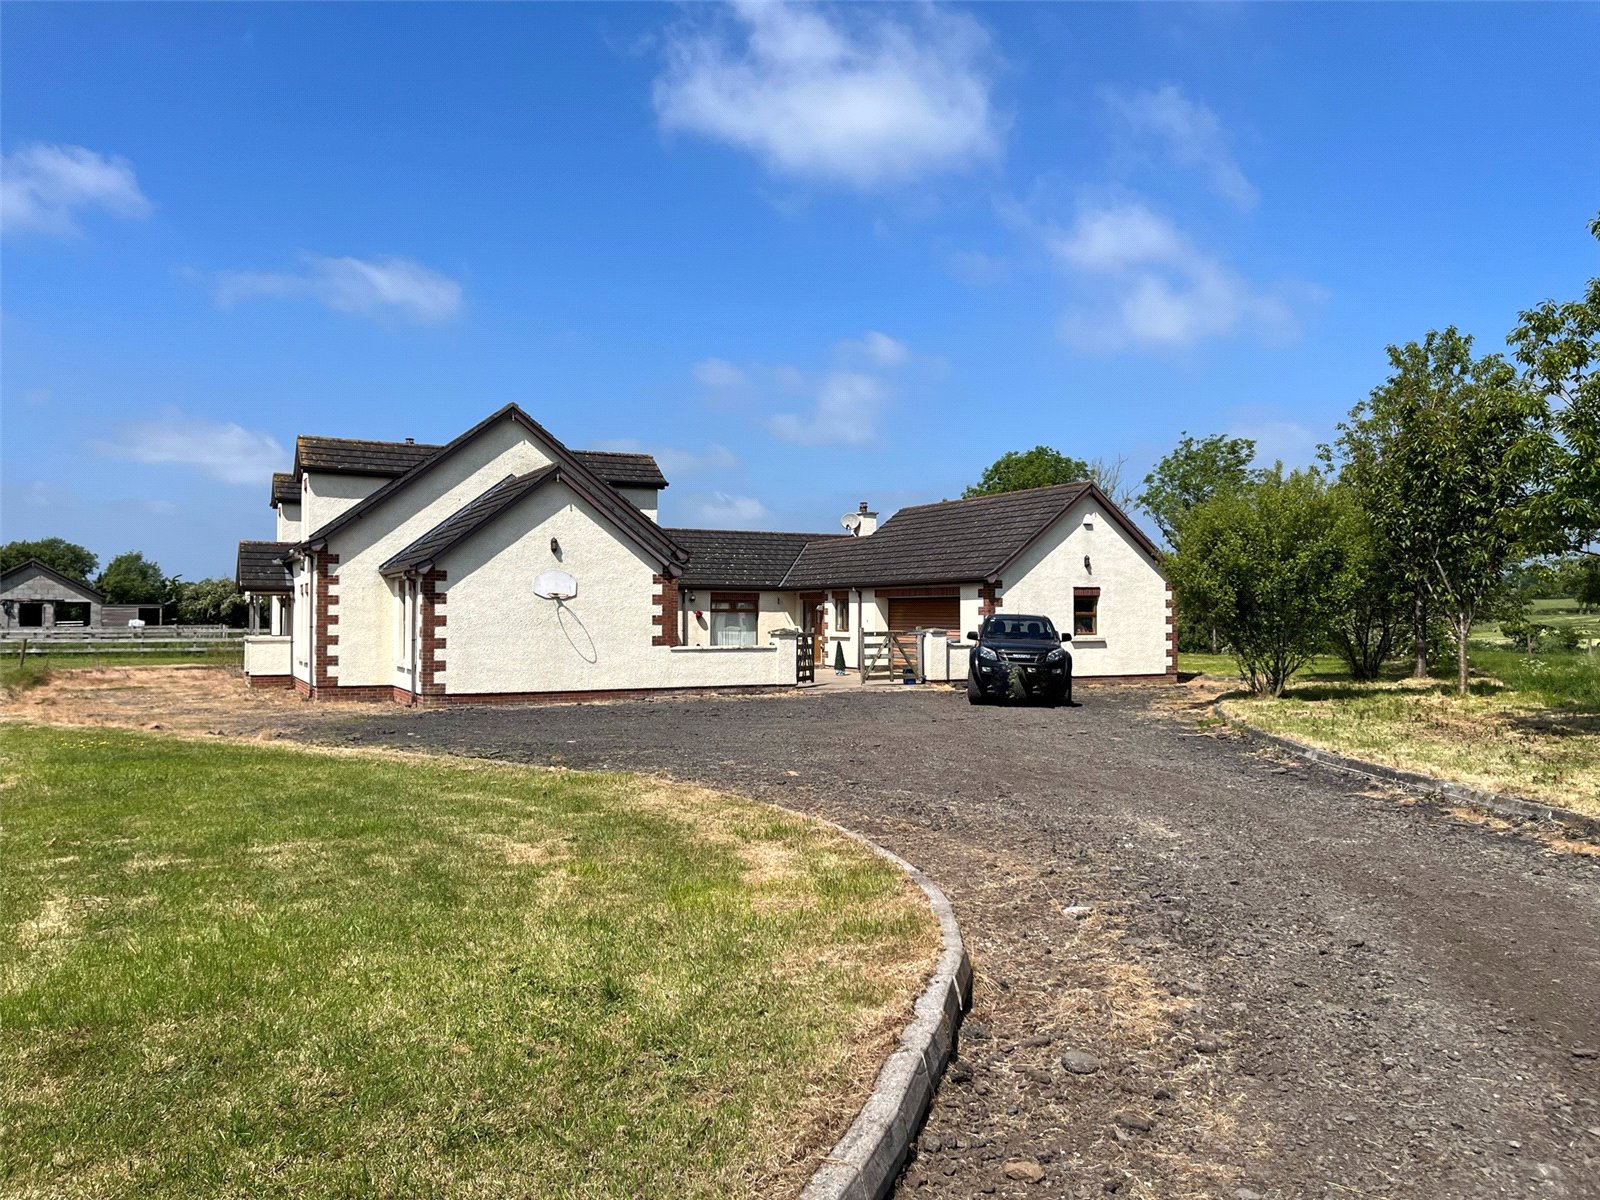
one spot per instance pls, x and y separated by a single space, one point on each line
411 441
863 507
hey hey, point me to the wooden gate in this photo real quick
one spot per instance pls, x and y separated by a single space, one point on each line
805 662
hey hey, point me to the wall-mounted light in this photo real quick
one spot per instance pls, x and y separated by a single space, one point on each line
555 546
1086 565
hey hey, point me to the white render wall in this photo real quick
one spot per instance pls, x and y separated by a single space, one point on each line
288 523
300 625
646 500
499 637
324 496
266 656
368 650
1132 636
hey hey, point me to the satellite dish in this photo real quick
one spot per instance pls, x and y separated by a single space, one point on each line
555 585
851 521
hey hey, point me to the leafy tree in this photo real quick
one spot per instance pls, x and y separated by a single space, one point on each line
212 602
71 559
1559 346
132 578
1196 471
1377 602
1448 457
1269 564
1587 589
1016 470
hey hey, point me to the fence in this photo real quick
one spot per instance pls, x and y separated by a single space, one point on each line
114 637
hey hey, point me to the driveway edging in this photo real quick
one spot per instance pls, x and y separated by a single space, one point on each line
1459 793
865 1162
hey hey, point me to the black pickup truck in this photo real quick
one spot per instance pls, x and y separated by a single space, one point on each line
1019 657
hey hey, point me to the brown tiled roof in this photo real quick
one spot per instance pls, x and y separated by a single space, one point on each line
738 558
285 490
573 471
259 568
621 469
949 542
352 456
465 521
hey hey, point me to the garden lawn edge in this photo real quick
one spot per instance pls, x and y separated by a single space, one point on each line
1498 803
865 1162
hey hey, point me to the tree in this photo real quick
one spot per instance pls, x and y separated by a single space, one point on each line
71 559
1196 471
1449 456
1378 599
1559 346
1106 474
212 602
132 578
1269 565
1040 467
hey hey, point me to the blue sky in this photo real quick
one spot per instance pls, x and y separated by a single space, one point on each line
807 256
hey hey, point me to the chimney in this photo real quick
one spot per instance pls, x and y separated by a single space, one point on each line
869 521
411 441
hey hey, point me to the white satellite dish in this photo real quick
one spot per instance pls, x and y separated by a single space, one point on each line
555 585
851 521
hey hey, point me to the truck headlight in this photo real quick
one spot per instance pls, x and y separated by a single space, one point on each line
1055 656
986 653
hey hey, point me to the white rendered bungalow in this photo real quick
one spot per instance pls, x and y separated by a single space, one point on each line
504 567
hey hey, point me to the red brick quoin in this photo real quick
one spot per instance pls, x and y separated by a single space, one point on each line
989 598
1172 636
433 634
327 622
665 621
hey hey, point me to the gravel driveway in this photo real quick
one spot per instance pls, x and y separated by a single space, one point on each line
1268 979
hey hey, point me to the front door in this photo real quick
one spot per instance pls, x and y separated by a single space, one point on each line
814 620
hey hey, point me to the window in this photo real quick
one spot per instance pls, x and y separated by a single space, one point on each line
1085 612
841 612
733 618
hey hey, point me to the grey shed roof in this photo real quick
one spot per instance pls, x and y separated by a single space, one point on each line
465 521
285 489
737 558
948 542
352 456
259 568
14 575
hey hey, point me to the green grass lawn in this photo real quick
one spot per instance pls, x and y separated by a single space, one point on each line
1530 727
19 672
256 971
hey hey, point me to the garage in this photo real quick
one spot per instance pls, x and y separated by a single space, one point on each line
925 612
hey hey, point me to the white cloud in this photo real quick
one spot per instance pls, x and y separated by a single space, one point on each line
877 348
366 287
674 461
720 510
851 96
1187 134
845 409
1152 288
43 188
718 373
1277 439
222 450
36 397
